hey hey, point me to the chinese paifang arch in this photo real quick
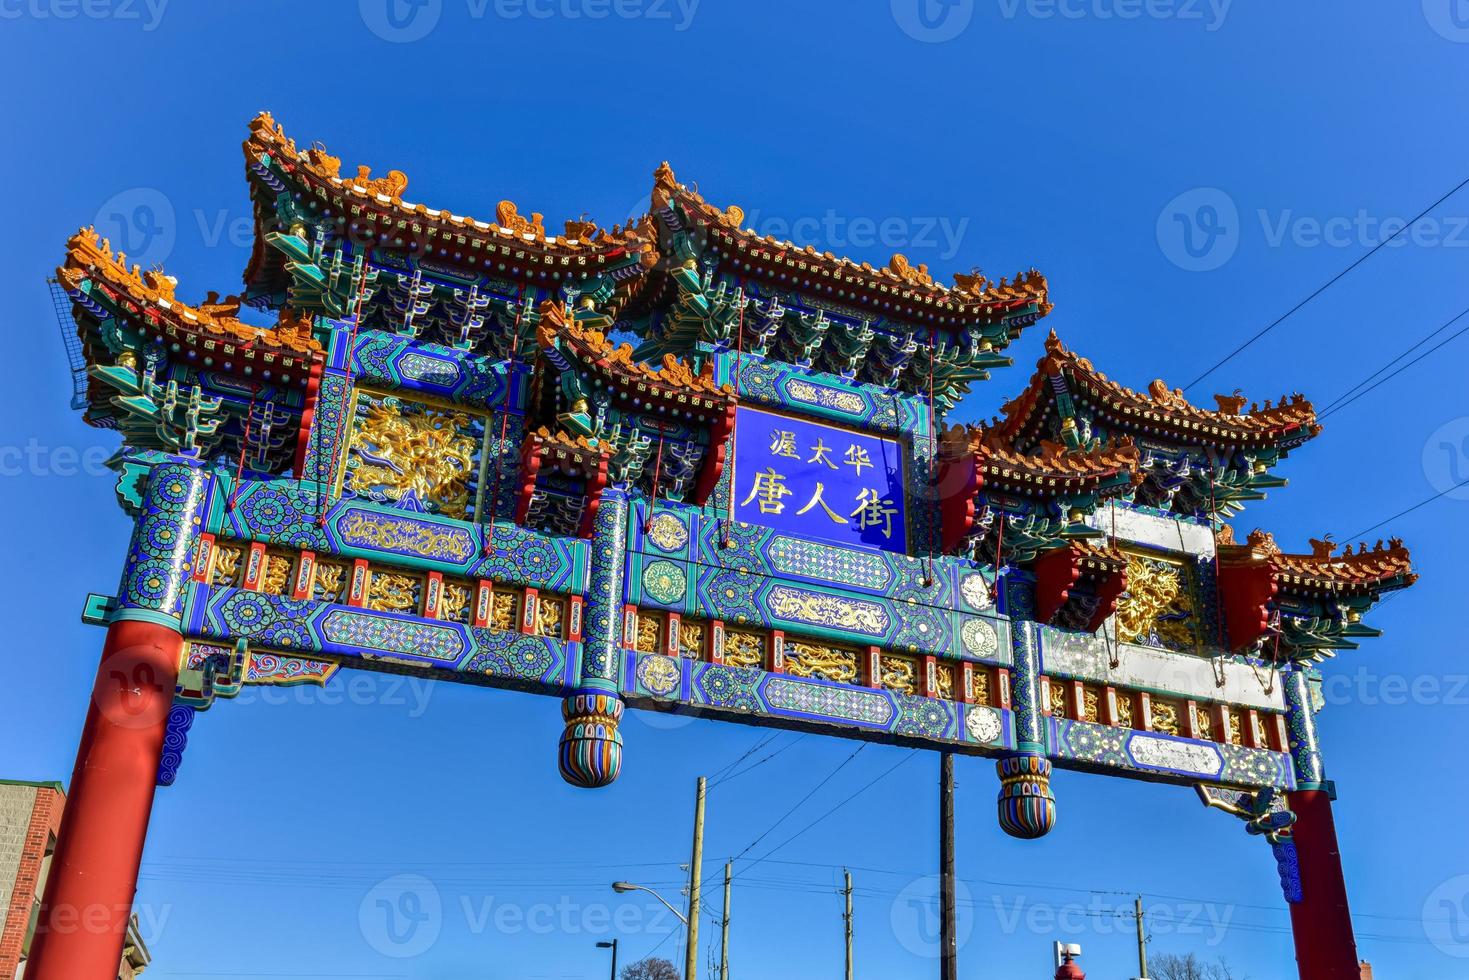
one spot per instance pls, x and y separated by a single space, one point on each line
674 465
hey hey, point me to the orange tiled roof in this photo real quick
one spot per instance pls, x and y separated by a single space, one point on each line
1099 557
1053 468
673 378
382 197
1161 410
150 296
899 287
1383 566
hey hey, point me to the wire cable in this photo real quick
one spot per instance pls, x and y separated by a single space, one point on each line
1340 404
1329 283
1402 513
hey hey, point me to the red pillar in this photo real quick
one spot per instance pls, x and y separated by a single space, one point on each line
1326 948
94 872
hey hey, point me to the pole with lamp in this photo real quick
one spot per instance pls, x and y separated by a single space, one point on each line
612 946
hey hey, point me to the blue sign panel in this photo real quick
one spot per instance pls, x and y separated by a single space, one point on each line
820 481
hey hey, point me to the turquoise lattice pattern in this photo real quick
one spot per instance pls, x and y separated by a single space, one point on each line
750 691
1166 757
825 395
746 574
307 627
284 512
604 593
328 431
516 656
385 360
1301 719
161 552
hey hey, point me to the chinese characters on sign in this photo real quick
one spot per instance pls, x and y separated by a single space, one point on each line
819 481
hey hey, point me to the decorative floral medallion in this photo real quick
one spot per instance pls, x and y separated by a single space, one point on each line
976 591
980 638
668 533
664 581
983 724
659 675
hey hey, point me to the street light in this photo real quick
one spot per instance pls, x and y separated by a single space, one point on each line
623 887
612 946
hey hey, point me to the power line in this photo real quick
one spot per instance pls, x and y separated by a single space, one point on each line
1423 340
1329 283
784 816
873 782
1403 513
760 743
758 763
1339 404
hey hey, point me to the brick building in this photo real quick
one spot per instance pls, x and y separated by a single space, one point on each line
30 815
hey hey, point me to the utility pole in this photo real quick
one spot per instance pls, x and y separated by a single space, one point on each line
612 946
847 917
1142 939
696 877
724 925
949 949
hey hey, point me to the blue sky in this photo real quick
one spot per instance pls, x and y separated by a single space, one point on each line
1183 172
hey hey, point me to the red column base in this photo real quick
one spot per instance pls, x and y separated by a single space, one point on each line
1326 948
94 872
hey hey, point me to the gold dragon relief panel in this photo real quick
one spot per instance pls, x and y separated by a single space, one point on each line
823 661
415 453
1161 605
743 648
899 673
